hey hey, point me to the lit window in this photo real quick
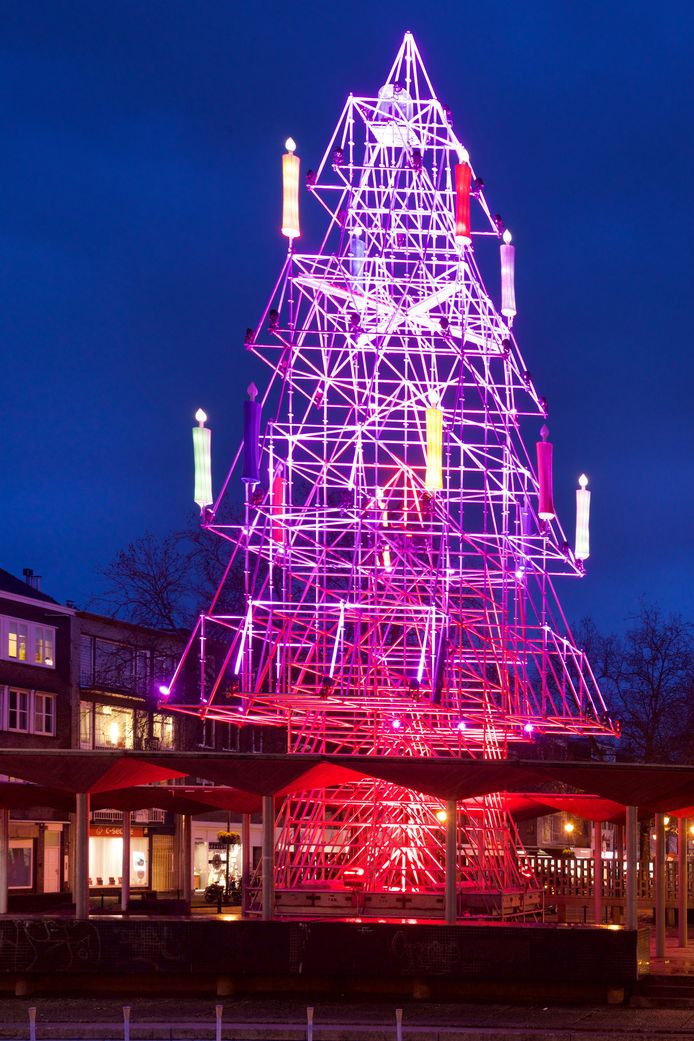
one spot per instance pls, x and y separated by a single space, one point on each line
17 640
113 727
44 645
86 724
163 730
44 714
18 710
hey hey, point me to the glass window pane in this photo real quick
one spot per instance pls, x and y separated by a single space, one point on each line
17 640
86 724
86 661
113 727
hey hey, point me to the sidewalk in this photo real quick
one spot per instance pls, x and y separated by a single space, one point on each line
174 1019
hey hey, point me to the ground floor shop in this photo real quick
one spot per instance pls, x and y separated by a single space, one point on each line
210 852
36 856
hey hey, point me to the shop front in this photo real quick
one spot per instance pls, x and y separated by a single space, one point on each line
210 854
106 856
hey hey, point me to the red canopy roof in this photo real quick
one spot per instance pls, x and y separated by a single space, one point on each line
247 777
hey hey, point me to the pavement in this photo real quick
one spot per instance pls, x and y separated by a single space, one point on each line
254 1020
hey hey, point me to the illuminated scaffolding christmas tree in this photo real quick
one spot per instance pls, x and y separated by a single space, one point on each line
399 542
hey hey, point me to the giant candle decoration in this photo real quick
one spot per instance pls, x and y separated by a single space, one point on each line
544 476
463 175
290 191
582 519
251 437
433 481
202 453
508 290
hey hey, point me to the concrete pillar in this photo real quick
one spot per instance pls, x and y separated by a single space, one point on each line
246 853
125 863
4 856
597 872
632 837
660 885
81 854
187 857
451 861
268 857
682 880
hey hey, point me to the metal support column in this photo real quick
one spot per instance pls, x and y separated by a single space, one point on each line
682 880
187 857
81 854
632 837
4 856
268 857
245 863
451 860
597 872
660 884
125 863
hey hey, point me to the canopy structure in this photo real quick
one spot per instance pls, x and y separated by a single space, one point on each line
124 779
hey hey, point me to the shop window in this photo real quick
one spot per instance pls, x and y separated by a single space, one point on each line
106 859
20 864
44 714
18 710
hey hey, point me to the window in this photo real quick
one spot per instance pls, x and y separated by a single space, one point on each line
28 642
206 733
86 724
120 667
86 661
141 673
163 730
18 710
44 714
17 640
230 737
113 727
29 712
20 864
44 650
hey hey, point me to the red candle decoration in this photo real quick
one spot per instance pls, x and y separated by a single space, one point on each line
544 476
463 176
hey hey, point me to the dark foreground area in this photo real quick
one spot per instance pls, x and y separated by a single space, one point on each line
171 1019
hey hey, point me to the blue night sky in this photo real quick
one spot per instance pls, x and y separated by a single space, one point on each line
140 206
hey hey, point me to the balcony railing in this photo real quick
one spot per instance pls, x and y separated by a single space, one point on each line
153 816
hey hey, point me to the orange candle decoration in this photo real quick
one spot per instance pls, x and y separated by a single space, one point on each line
290 191
433 480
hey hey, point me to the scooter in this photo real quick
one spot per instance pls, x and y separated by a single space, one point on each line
214 893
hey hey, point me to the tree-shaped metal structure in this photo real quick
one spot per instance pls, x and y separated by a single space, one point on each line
398 579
